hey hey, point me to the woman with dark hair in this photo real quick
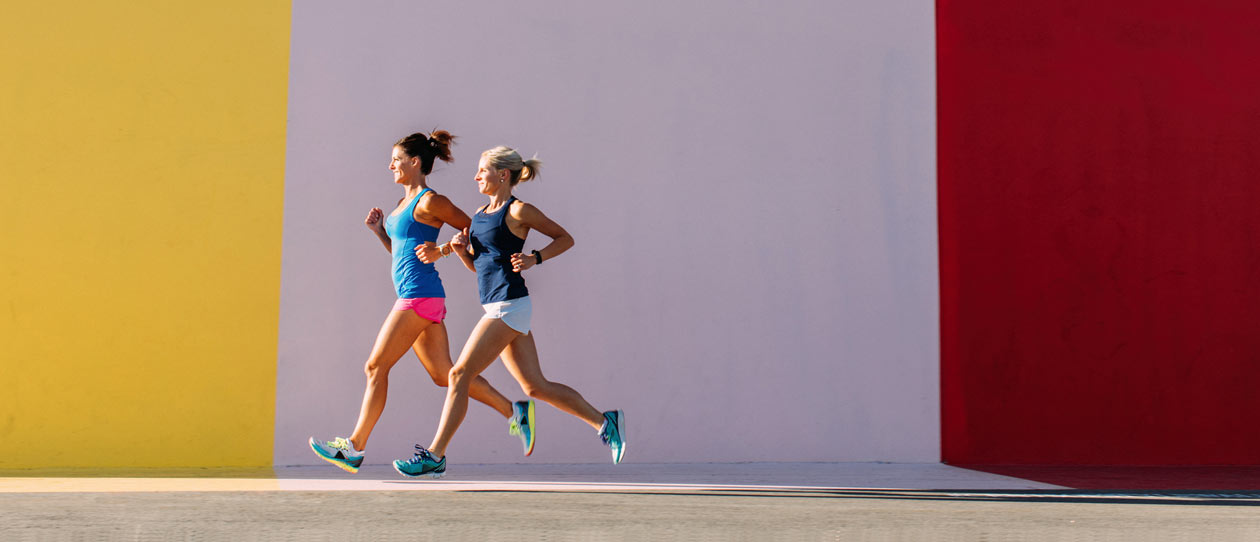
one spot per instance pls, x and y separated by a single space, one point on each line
492 248
409 234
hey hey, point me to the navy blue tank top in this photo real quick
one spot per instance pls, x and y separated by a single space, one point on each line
412 277
493 245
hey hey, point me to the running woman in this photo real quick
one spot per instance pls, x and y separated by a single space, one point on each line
492 248
415 322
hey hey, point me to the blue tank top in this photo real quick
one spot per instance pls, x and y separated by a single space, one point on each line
493 246
412 277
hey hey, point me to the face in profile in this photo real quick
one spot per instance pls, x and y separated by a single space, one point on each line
404 167
487 177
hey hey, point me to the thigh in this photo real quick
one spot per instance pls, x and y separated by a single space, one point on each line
433 347
521 359
488 339
400 330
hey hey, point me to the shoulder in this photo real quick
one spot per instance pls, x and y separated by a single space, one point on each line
433 199
520 210
436 204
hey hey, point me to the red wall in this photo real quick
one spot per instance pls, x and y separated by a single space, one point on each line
1100 231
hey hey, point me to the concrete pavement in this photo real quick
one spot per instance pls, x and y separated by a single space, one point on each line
750 501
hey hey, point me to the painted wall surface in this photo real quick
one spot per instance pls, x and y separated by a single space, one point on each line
141 159
752 191
1098 166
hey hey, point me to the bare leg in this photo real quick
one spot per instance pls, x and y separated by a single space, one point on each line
400 330
521 359
488 339
434 351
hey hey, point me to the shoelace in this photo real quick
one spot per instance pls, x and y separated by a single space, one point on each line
606 432
340 443
514 427
421 454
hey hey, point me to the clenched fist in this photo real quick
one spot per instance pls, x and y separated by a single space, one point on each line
375 220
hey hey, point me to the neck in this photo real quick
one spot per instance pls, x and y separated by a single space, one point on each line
501 197
414 188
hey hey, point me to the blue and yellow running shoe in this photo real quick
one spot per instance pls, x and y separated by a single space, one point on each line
340 452
522 423
613 433
421 464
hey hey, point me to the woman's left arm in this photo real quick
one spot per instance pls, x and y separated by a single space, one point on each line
532 218
439 206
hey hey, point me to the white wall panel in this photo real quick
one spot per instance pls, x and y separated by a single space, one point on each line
752 191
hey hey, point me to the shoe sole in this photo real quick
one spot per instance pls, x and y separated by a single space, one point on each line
532 428
348 468
433 475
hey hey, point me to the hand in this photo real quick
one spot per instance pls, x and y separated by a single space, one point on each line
521 262
460 241
428 252
375 220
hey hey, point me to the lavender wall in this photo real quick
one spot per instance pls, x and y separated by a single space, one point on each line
751 187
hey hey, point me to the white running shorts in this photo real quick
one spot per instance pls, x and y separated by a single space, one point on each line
514 312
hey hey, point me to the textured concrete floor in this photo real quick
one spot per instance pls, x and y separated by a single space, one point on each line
814 501
562 515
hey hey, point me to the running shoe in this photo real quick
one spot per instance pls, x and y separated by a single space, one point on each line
421 464
340 452
521 423
613 433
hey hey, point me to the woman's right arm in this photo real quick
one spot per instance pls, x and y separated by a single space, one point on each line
460 246
375 222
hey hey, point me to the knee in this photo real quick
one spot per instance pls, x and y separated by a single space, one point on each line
375 370
440 378
459 377
535 389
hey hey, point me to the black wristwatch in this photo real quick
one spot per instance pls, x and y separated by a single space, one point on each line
537 257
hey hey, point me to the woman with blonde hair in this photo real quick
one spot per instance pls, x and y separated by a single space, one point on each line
492 247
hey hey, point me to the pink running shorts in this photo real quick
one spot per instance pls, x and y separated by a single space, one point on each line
429 308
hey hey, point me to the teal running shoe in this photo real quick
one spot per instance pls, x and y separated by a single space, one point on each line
340 452
613 433
521 423
421 464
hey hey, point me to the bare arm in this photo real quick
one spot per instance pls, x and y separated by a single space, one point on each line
440 207
529 217
462 245
375 221
462 248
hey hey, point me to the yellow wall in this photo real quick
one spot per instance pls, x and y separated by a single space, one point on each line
141 191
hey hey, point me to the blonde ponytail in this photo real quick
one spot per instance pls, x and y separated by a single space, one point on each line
507 158
531 169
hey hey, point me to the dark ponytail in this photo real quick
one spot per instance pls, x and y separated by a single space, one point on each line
427 148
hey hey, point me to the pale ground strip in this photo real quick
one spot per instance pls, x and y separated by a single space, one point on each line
686 477
742 501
